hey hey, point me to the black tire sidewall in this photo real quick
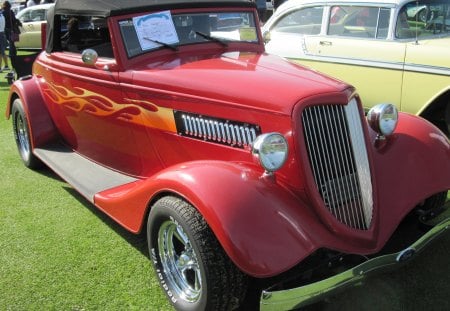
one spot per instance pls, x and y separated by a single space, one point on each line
158 215
16 111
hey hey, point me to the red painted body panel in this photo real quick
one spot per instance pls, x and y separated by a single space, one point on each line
243 209
87 106
255 218
413 165
264 227
41 125
260 81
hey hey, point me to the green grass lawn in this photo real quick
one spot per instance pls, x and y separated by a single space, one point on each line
57 252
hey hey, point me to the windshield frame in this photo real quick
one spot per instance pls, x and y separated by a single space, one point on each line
242 28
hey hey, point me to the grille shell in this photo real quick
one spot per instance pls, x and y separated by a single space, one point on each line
338 158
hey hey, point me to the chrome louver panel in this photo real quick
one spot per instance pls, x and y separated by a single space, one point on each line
338 157
227 132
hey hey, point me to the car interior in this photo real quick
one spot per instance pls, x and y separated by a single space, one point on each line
80 32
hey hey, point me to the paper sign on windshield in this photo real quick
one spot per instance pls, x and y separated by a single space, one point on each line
154 28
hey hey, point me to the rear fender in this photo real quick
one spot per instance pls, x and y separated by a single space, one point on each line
42 128
263 227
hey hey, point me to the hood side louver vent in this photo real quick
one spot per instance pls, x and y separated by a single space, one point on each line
232 133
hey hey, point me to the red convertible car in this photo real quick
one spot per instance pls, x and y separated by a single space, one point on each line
247 172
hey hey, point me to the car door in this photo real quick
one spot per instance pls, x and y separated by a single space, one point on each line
88 105
355 49
285 36
351 45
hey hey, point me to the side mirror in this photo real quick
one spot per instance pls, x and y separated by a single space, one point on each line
266 36
89 56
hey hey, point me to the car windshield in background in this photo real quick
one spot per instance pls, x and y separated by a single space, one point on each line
423 18
152 31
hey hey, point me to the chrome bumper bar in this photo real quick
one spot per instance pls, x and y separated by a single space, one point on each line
305 295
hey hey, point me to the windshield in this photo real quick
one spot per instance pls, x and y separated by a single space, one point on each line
166 30
423 18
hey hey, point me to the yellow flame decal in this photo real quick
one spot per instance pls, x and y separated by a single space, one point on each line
140 112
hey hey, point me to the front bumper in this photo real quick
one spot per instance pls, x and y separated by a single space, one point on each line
305 295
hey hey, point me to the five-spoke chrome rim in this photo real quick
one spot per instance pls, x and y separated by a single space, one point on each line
179 262
22 136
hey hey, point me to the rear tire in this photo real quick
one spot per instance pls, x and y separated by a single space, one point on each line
22 135
190 264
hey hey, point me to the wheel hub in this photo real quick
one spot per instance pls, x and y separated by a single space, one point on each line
179 261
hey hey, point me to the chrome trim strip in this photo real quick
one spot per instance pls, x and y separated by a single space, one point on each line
305 295
427 69
361 158
377 64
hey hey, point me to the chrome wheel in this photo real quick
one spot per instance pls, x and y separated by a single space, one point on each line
22 135
179 261
190 264
21 132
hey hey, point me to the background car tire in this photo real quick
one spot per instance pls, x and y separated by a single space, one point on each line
22 135
190 264
434 201
422 15
432 206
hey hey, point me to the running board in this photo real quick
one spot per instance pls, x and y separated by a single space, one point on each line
87 177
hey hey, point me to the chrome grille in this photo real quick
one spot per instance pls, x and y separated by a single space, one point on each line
233 133
339 162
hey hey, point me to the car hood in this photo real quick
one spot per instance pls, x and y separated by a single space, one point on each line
261 81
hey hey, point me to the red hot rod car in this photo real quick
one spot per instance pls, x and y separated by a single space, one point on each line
241 167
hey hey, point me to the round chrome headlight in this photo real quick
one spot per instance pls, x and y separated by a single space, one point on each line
270 150
383 119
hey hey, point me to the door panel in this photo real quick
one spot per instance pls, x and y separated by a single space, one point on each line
90 112
374 67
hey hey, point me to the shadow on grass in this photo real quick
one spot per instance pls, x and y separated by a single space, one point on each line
138 241
4 86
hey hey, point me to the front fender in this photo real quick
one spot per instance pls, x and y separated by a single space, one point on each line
266 229
409 167
262 226
42 128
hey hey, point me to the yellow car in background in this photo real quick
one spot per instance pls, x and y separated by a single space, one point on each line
31 19
395 51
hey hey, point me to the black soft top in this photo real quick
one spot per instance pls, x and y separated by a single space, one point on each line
105 8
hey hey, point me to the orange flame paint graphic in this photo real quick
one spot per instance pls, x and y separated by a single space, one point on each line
139 112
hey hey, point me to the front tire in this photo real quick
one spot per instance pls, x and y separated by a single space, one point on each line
22 135
190 264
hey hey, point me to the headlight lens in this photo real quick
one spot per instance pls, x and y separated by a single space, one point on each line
270 150
383 119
